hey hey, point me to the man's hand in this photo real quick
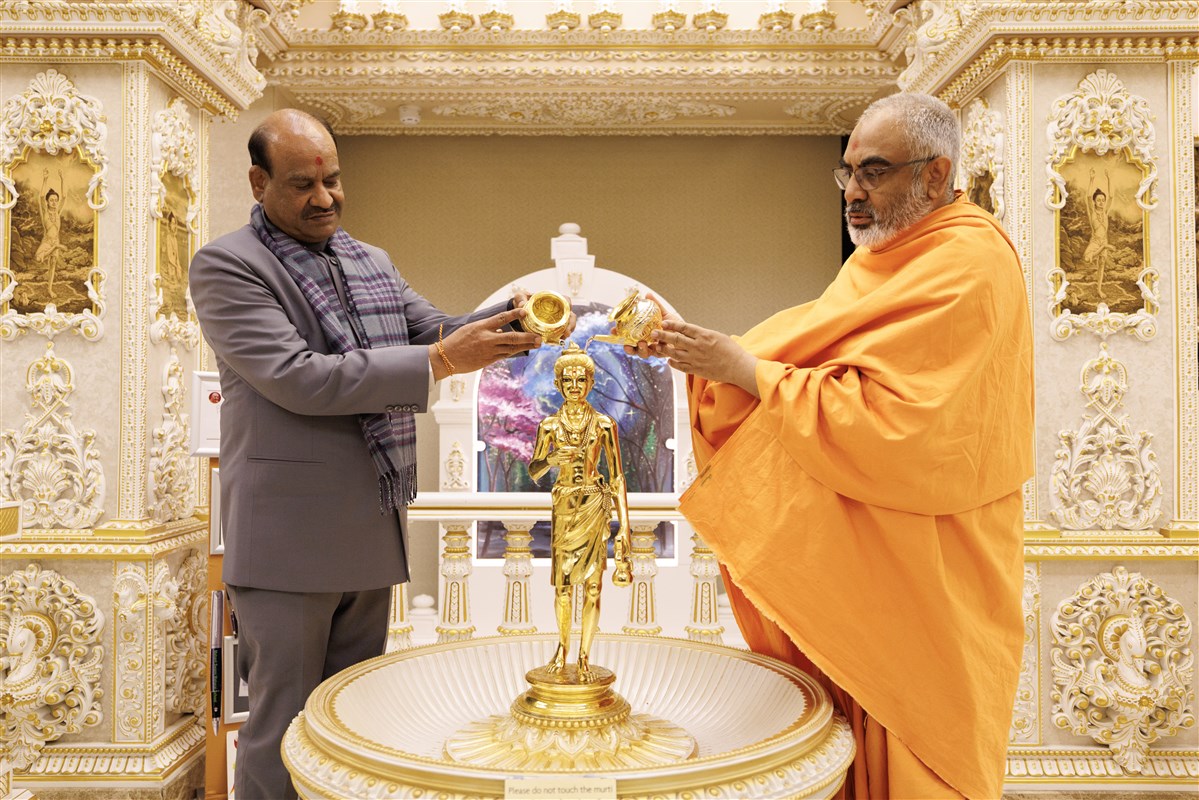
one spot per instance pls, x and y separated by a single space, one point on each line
477 344
708 354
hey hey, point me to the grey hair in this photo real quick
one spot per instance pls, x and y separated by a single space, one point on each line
927 124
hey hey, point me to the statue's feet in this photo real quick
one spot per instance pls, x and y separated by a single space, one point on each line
558 662
585 674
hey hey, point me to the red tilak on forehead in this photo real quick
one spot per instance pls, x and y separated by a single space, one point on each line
318 161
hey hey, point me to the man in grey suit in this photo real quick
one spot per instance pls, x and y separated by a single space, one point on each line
324 354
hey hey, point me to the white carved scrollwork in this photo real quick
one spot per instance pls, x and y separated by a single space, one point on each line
1142 323
982 149
51 321
1122 668
232 27
1106 476
585 111
173 150
1024 728
50 662
50 468
52 117
1101 116
187 641
172 486
932 24
143 607
455 470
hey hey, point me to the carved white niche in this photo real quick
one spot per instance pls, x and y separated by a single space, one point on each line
1122 665
50 468
187 640
1105 476
145 598
1025 728
172 475
982 156
50 662
1103 130
50 117
173 177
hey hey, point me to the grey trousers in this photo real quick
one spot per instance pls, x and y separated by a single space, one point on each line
288 642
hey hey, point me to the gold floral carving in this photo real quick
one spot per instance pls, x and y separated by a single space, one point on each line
829 113
51 468
50 662
145 597
1122 667
585 111
1105 475
187 640
982 151
1025 728
172 487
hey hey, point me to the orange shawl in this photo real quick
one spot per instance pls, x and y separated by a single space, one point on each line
869 504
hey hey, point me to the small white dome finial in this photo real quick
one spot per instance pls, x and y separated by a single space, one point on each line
569 228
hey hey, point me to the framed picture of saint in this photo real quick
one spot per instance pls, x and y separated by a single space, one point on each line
51 233
174 247
1101 233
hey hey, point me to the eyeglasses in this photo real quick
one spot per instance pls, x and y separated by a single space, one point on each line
868 177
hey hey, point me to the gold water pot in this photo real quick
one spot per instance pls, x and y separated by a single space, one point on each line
633 320
548 316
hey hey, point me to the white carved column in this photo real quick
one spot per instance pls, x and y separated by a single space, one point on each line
643 610
145 597
705 571
518 568
399 629
455 585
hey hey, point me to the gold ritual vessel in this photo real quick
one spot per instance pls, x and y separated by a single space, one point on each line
576 700
633 320
548 316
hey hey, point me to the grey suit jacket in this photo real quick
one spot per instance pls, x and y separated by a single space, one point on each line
299 491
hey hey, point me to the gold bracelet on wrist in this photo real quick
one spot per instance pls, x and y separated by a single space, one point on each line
441 350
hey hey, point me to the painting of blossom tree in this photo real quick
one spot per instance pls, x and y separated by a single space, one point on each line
517 393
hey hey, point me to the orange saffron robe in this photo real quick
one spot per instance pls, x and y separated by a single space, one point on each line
869 504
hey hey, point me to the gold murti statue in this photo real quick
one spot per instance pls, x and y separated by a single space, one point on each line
571 717
574 440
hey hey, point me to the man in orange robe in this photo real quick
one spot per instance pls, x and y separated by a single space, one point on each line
861 459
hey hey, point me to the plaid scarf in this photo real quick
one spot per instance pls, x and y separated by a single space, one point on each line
376 315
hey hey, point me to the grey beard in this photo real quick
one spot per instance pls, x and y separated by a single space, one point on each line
906 212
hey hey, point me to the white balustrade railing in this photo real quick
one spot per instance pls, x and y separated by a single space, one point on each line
674 596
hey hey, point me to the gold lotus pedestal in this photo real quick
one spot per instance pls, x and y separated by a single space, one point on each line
690 720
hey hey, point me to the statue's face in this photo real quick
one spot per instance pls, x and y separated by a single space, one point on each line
575 383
